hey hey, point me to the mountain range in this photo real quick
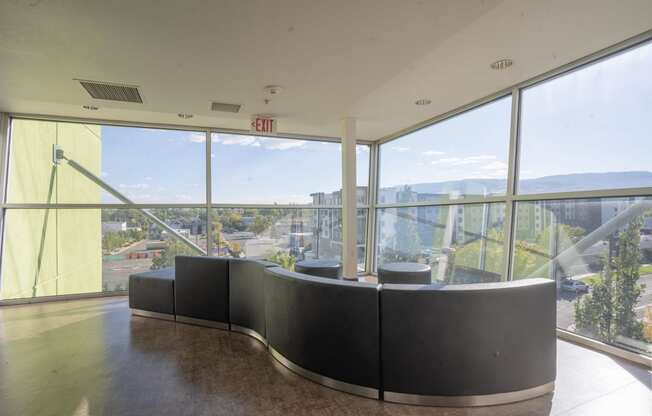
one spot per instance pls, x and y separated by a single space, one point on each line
545 184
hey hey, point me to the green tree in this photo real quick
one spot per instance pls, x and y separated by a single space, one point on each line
173 249
232 221
609 310
283 259
260 224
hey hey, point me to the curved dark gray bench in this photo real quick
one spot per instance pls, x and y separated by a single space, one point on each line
247 296
151 294
201 291
468 345
324 329
446 345
331 269
405 273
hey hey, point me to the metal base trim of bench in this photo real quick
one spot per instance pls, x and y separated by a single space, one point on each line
323 380
473 400
202 322
249 332
150 314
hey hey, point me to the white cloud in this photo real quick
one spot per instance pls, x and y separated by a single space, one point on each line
134 186
359 149
104 174
400 148
197 137
183 197
432 153
229 139
148 178
481 157
470 160
254 141
496 165
282 144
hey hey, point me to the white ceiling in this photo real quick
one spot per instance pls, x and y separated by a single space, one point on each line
369 59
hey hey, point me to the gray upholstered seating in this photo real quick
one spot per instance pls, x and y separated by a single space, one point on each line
451 345
151 294
478 344
325 329
321 268
201 291
247 296
404 273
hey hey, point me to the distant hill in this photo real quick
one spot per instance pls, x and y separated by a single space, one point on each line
586 181
556 183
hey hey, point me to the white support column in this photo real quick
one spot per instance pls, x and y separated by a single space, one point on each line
349 201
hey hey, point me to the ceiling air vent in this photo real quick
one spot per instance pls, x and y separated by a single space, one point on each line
112 91
225 108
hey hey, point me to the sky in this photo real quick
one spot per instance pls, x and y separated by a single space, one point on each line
595 119
167 166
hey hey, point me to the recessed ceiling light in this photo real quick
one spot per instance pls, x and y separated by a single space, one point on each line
185 115
502 64
90 107
423 101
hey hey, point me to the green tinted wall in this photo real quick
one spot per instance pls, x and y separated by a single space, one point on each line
48 251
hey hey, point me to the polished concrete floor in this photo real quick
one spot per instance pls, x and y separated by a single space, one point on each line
90 357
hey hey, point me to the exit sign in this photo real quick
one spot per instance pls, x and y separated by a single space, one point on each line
264 125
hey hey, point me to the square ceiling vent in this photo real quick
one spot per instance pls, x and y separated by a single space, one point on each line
111 91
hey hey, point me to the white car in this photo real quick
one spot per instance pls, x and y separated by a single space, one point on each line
575 286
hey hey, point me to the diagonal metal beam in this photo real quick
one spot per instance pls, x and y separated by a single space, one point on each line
59 155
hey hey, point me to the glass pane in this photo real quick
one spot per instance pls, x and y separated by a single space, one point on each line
283 235
463 156
270 170
144 165
589 129
69 251
461 243
362 173
599 251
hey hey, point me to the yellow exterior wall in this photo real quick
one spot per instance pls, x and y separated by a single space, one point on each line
52 252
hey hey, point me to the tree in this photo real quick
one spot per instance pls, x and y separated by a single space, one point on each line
283 259
609 310
232 221
627 289
405 244
173 249
260 224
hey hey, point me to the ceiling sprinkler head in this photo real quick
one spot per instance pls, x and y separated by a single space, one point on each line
273 89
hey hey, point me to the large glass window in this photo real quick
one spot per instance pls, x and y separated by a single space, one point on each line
271 170
463 156
143 165
68 251
589 129
461 243
599 251
283 235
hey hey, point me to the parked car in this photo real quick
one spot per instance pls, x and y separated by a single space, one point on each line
575 286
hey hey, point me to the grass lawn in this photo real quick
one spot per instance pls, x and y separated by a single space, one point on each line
593 278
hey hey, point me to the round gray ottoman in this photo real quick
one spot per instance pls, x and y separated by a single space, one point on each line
404 273
323 268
